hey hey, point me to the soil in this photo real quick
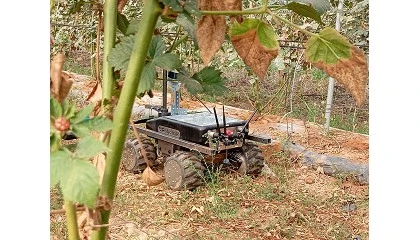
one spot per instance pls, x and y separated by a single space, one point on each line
298 203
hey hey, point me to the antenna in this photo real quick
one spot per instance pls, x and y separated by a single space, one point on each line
224 120
249 120
217 120
202 103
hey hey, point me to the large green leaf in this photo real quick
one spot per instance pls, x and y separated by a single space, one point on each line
321 6
328 46
332 53
120 56
192 85
256 43
190 6
56 110
211 81
80 182
99 124
305 11
121 53
69 111
168 61
55 140
82 114
148 77
89 147
174 4
265 33
80 130
59 161
157 46
122 23
133 27
190 26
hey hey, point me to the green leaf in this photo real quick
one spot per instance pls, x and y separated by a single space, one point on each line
70 111
89 147
193 86
174 4
168 61
82 114
266 35
190 26
80 182
148 77
122 23
256 43
121 53
157 46
59 161
55 108
100 124
211 81
328 47
76 7
80 130
190 6
55 141
305 11
132 27
321 6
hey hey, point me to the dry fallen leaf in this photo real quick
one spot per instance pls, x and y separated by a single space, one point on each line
151 178
60 82
200 210
351 72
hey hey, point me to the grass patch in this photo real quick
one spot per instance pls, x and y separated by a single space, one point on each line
72 65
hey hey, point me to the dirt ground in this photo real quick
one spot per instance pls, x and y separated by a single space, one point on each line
296 202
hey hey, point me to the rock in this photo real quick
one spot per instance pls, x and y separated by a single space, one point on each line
309 180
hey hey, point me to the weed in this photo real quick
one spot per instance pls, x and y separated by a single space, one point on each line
223 209
56 198
72 65
270 192
318 74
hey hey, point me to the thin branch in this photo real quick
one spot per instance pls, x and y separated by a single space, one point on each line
143 152
61 211
71 25
278 18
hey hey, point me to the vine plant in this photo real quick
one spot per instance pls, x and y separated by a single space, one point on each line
131 62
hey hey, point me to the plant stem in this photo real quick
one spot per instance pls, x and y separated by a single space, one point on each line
110 26
179 41
249 11
123 110
52 3
276 17
71 216
175 39
257 10
98 44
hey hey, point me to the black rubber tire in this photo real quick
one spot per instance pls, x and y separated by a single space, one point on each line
252 160
132 159
184 171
